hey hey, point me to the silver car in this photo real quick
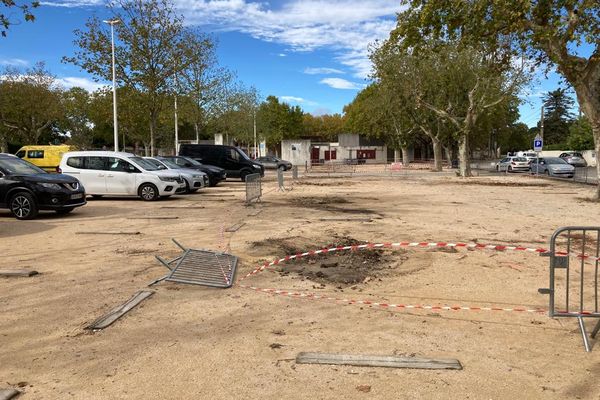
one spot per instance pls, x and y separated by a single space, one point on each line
194 180
574 158
552 166
513 164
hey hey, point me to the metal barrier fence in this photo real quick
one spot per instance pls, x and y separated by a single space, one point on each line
253 187
349 167
573 290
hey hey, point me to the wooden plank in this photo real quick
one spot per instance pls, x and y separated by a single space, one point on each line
377 361
347 219
7 394
254 214
153 217
17 272
183 208
108 233
236 227
109 318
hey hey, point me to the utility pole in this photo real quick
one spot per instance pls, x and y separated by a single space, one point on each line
542 124
254 123
176 127
112 23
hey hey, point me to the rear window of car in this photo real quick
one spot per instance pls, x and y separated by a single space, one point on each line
519 159
577 155
35 154
75 162
555 160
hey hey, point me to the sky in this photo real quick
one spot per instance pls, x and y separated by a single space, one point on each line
311 53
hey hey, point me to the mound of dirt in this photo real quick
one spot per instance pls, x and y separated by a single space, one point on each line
328 203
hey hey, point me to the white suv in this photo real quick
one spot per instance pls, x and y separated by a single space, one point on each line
120 174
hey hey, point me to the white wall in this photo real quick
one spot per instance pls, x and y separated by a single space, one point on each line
296 151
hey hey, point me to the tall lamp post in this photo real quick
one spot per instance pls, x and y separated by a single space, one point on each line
112 23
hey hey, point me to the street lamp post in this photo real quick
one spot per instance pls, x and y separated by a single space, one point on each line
112 23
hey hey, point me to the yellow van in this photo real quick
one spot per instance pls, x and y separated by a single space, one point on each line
46 157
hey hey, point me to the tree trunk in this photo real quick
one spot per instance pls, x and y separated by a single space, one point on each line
3 144
396 155
464 167
152 124
437 154
405 157
197 130
588 96
448 151
146 149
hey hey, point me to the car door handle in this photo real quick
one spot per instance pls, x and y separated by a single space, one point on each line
110 176
100 175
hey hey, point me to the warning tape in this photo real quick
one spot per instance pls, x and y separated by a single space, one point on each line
370 303
388 245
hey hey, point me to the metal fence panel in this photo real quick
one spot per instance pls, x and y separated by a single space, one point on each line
574 261
253 187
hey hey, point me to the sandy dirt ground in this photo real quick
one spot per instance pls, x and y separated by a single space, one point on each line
189 342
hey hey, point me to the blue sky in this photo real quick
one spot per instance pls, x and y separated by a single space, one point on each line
311 53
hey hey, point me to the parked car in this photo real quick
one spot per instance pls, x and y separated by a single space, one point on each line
215 174
574 158
513 164
120 174
272 162
233 160
46 157
194 179
552 166
26 189
529 155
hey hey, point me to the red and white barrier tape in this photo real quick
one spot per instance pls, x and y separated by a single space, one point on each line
390 306
413 244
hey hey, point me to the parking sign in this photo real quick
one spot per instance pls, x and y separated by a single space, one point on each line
538 143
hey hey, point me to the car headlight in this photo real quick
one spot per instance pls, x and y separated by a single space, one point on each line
168 178
54 186
256 166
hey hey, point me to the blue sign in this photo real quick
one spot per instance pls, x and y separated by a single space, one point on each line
538 143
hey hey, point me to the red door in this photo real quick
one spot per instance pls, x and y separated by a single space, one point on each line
314 154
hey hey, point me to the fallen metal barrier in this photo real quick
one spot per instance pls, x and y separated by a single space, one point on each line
200 267
573 290
253 187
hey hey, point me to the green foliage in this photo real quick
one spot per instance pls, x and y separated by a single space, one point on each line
323 126
580 135
277 121
6 6
557 117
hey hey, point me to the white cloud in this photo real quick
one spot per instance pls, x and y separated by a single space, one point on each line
85 83
345 26
282 55
14 62
338 83
317 112
298 100
322 71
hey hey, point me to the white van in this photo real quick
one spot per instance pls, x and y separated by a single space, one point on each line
120 174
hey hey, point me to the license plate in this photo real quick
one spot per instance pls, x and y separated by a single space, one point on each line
77 196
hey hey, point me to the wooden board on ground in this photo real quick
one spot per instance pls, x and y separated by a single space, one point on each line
7 394
108 233
107 319
236 227
182 208
153 218
255 213
347 219
377 361
17 272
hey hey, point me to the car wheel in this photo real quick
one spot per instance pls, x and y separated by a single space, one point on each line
497 168
244 174
22 205
510 169
212 182
148 192
281 168
547 172
187 187
63 211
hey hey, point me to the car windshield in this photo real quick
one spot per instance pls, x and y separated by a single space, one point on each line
18 166
191 160
171 164
156 163
554 160
519 159
145 164
243 154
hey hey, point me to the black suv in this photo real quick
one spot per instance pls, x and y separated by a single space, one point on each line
25 189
